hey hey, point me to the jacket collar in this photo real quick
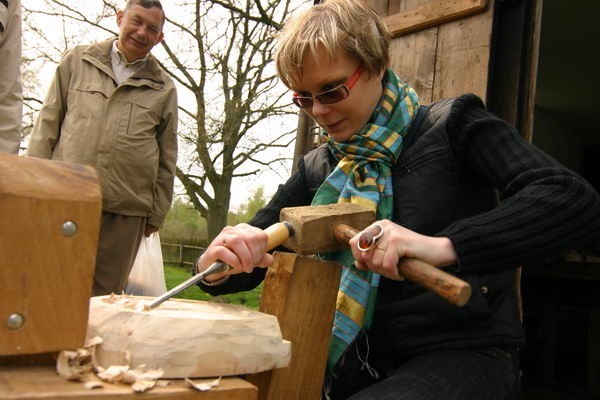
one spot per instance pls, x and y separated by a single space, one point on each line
99 55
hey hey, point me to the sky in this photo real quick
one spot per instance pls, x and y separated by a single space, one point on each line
242 188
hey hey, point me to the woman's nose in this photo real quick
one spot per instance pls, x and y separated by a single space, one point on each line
319 108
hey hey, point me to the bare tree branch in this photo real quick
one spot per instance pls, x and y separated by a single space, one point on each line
219 53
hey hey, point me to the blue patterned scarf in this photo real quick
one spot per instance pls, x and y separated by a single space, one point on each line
364 176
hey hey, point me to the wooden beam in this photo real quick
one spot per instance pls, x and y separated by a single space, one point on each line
433 13
301 292
43 383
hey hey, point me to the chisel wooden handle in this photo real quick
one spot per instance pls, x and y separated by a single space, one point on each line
449 287
276 235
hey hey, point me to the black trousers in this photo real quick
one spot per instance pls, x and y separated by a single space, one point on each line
471 374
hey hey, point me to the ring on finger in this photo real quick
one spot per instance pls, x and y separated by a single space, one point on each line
369 237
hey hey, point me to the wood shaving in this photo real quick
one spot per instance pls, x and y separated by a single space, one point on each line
127 301
74 365
203 386
114 374
93 384
142 386
92 342
142 306
79 365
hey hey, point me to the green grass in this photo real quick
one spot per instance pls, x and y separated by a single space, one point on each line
175 274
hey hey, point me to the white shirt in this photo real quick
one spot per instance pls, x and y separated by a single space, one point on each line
121 67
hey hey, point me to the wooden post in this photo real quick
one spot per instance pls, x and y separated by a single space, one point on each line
301 292
304 142
180 252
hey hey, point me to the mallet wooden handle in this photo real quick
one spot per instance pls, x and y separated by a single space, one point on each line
447 286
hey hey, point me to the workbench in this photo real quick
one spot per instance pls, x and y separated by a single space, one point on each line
41 382
48 242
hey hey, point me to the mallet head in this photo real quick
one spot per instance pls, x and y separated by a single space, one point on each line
313 225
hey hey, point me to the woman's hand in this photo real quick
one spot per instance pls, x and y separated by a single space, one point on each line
396 243
242 247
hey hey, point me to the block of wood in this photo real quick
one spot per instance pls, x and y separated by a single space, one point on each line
48 240
185 338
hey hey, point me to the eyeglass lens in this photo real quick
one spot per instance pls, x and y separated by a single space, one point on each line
329 97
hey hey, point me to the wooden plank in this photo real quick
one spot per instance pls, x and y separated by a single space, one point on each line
515 63
507 61
43 383
413 59
412 56
301 291
463 54
533 55
380 6
447 60
432 13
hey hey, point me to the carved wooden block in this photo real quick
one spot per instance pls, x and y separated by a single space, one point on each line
186 338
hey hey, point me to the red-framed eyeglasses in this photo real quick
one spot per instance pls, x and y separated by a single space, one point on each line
330 96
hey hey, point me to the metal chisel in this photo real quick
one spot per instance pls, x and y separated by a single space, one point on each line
213 269
277 234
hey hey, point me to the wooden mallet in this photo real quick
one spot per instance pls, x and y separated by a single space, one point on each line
312 230
326 228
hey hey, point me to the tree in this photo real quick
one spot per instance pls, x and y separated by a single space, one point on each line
247 210
183 222
232 107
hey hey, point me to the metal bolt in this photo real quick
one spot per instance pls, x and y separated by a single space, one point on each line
69 228
15 321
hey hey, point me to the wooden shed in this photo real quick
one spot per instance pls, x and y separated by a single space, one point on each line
531 62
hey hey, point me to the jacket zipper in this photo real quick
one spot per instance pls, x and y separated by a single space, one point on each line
421 160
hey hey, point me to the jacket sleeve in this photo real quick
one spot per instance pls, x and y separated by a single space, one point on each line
291 194
11 93
166 137
545 209
46 131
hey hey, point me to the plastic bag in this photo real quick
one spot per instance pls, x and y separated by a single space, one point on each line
147 276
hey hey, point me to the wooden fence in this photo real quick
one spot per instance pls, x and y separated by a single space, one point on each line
180 253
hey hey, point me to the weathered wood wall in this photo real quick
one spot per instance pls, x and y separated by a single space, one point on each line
448 58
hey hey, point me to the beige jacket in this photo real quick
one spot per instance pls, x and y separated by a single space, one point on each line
127 132
11 94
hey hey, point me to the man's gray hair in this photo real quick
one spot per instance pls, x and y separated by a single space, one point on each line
147 4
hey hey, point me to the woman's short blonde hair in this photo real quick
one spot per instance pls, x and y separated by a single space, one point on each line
348 25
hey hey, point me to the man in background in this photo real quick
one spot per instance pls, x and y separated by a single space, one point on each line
111 106
11 94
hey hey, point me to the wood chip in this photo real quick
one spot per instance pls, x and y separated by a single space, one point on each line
142 386
74 365
80 365
93 385
203 386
